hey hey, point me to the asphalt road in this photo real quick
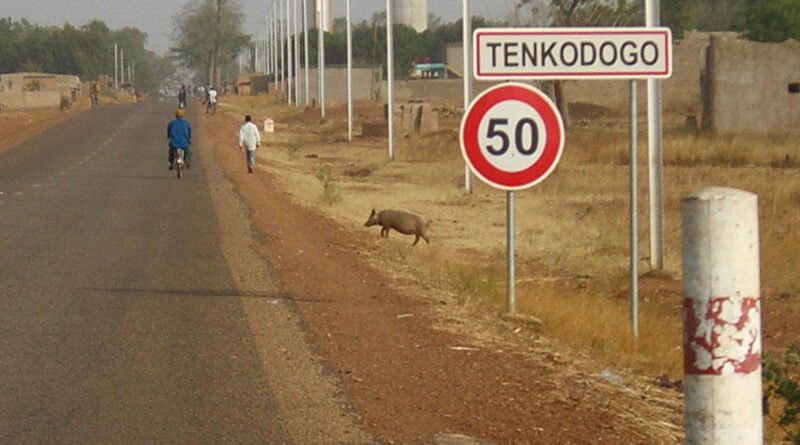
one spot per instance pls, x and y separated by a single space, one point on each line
120 318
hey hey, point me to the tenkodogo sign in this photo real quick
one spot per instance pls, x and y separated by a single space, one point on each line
558 53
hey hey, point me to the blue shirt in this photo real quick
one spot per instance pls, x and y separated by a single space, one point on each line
179 133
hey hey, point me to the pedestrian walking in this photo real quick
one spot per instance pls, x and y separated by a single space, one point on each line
249 140
94 94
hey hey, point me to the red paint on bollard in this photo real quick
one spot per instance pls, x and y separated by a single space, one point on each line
723 322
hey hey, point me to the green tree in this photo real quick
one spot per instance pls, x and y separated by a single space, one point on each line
586 13
679 15
771 20
209 36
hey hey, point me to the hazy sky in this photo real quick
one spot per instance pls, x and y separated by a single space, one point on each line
155 16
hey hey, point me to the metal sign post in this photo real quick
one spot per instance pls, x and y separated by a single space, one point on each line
512 137
583 53
511 288
634 207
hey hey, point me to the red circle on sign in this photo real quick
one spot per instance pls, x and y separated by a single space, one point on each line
553 134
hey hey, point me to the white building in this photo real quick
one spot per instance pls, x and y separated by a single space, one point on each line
413 13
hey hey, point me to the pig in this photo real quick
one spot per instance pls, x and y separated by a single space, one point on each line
403 222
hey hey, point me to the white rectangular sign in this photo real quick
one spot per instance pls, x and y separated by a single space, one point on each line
572 53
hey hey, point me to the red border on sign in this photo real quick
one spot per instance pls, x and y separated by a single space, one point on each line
556 74
553 133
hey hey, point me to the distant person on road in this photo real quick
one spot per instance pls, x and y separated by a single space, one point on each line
249 140
179 133
212 100
182 97
94 94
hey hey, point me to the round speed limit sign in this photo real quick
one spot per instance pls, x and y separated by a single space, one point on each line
512 136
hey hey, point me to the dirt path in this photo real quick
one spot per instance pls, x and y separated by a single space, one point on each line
408 380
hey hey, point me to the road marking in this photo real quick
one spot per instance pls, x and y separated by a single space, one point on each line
62 173
19 193
36 186
2 193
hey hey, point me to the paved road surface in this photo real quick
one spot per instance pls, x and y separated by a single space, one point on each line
121 320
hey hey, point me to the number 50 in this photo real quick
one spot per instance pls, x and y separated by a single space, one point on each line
497 129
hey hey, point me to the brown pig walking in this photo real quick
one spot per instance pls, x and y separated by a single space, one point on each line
403 222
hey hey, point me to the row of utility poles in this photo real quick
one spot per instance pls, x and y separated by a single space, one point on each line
120 68
277 53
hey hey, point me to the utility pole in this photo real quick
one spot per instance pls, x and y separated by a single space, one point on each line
467 75
289 57
305 52
655 159
296 41
390 75
322 19
349 76
116 68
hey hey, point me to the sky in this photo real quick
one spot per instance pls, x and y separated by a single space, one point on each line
155 16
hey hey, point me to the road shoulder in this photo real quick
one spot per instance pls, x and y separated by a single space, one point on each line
311 402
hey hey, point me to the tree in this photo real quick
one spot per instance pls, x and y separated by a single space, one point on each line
679 16
585 13
209 52
85 51
771 20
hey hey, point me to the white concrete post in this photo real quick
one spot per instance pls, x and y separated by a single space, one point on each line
721 318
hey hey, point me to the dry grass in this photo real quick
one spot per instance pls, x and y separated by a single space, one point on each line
572 230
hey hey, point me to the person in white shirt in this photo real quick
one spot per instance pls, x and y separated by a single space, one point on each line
249 140
212 100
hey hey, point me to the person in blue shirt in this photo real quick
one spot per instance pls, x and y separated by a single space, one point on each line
179 133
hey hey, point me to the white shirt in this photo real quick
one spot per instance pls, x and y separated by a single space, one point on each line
249 136
212 96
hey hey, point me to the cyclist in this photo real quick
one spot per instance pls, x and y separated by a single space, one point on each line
179 133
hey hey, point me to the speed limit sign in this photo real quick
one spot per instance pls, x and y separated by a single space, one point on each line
512 136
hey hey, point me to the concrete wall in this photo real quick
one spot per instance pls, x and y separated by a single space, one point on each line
367 84
748 87
14 89
46 82
680 93
454 57
29 99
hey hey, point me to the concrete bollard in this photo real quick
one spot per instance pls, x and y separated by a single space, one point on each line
721 318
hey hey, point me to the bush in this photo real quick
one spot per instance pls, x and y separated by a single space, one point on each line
782 390
330 191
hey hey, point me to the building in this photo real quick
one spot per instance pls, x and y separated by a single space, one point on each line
31 90
413 13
